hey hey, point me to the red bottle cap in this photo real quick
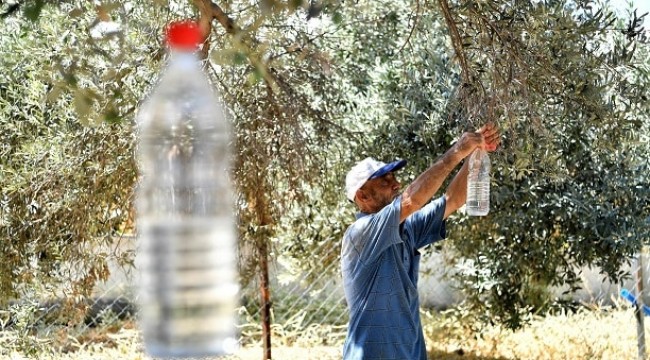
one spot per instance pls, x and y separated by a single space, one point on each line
183 35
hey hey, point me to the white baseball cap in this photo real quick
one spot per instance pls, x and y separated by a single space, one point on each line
365 170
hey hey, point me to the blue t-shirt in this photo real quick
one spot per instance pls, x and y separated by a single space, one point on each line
380 263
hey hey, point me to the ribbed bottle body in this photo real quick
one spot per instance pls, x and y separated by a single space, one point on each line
185 217
478 184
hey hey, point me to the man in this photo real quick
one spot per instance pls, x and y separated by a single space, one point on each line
379 256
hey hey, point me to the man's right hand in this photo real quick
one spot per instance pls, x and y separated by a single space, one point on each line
468 142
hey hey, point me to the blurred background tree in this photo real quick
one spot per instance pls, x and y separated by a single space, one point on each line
311 88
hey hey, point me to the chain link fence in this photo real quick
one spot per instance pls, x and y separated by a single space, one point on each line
308 307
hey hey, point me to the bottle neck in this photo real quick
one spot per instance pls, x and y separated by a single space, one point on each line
183 59
477 153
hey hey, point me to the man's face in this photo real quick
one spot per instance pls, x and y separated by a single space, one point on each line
382 190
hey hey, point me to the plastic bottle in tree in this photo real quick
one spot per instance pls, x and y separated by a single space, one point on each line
185 210
478 184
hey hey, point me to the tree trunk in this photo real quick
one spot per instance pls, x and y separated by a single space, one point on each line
265 298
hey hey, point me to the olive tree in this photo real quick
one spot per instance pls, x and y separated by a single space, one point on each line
565 81
313 86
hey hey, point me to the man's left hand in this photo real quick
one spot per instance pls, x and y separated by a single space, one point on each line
491 136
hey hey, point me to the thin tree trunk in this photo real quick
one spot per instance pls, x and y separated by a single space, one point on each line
265 299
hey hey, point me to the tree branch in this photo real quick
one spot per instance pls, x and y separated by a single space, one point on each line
456 40
415 24
210 11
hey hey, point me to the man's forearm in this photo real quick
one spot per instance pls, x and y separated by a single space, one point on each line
425 186
456 194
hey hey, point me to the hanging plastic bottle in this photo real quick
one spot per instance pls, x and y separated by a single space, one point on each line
185 211
478 184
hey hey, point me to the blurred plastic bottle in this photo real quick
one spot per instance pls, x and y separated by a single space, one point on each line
478 184
185 211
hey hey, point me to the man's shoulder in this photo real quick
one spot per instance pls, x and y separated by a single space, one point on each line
356 229
360 221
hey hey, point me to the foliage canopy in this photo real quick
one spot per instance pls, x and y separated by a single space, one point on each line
313 87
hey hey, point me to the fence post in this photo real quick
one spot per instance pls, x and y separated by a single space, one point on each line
638 308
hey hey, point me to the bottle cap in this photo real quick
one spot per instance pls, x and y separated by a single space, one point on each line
183 35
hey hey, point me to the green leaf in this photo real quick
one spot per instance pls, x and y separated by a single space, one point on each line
254 77
337 18
112 116
33 10
82 104
75 13
54 94
239 58
294 4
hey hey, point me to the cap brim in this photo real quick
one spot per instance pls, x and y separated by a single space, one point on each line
394 166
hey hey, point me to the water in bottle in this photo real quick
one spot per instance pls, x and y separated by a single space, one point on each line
478 184
185 211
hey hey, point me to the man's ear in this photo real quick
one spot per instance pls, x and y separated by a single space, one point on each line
362 195
364 200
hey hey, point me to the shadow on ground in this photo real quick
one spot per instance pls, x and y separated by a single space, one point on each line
437 354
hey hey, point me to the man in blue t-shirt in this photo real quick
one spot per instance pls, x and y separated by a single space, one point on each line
380 257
